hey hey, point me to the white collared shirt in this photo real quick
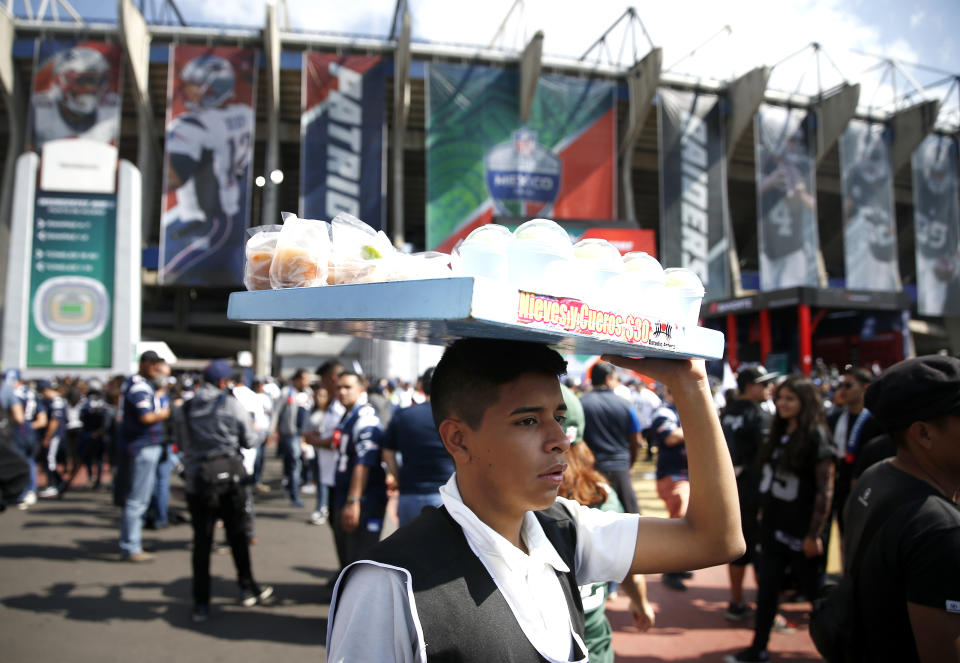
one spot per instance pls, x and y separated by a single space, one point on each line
371 600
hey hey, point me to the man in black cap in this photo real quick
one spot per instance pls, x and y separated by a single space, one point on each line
216 427
902 541
745 427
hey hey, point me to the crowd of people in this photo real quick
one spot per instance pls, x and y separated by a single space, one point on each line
797 449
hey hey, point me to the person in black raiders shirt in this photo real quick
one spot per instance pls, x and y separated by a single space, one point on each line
907 579
796 489
745 427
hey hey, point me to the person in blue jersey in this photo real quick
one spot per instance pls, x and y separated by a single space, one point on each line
53 436
143 437
360 490
494 574
424 465
27 420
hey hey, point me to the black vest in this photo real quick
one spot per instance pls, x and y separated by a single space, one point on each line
462 612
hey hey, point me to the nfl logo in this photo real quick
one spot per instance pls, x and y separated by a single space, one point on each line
525 142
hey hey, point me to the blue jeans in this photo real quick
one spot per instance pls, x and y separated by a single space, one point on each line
143 474
258 464
290 448
410 505
160 500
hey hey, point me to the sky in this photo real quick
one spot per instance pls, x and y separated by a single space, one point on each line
855 35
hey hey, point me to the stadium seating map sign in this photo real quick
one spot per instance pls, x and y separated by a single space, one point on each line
482 162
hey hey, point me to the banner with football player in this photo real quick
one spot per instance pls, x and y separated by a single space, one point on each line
482 162
786 197
694 216
869 226
209 153
342 137
76 92
936 220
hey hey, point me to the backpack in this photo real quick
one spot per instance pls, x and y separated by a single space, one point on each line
833 621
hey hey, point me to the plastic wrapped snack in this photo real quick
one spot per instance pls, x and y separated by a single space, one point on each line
540 258
484 252
258 254
360 254
598 261
684 293
302 254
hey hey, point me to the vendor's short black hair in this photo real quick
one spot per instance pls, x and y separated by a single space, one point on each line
468 378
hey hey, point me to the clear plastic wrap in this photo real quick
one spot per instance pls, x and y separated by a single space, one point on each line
302 254
258 256
360 254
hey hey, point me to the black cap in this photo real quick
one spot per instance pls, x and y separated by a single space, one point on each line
216 370
150 357
918 389
754 375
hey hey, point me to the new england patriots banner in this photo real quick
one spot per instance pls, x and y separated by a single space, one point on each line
869 227
786 197
342 133
936 220
76 92
694 217
209 153
482 162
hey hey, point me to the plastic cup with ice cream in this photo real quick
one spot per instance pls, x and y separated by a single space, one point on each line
640 288
684 293
597 262
258 255
540 259
484 252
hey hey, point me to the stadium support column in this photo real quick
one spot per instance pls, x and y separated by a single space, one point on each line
263 334
732 350
806 345
642 81
135 37
14 99
765 337
744 97
909 127
401 111
530 63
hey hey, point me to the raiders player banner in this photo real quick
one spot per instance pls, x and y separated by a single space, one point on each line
936 221
786 197
869 228
76 92
482 162
342 133
209 152
694 218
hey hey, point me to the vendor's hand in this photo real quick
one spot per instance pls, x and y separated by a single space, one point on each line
812 546
643 616
350 516
672 372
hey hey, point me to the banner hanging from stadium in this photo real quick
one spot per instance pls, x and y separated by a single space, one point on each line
482 162
694 217
788 239
76 92
869 225
342 137
207 166
936 220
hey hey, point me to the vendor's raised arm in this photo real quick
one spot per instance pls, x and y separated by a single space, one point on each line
710 532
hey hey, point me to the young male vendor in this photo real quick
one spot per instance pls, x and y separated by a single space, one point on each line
493 575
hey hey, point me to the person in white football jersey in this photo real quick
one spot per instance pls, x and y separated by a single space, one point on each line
78 103
209 156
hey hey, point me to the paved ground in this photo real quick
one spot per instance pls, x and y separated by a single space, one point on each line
65 592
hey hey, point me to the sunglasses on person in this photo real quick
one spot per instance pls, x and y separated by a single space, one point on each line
846 385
